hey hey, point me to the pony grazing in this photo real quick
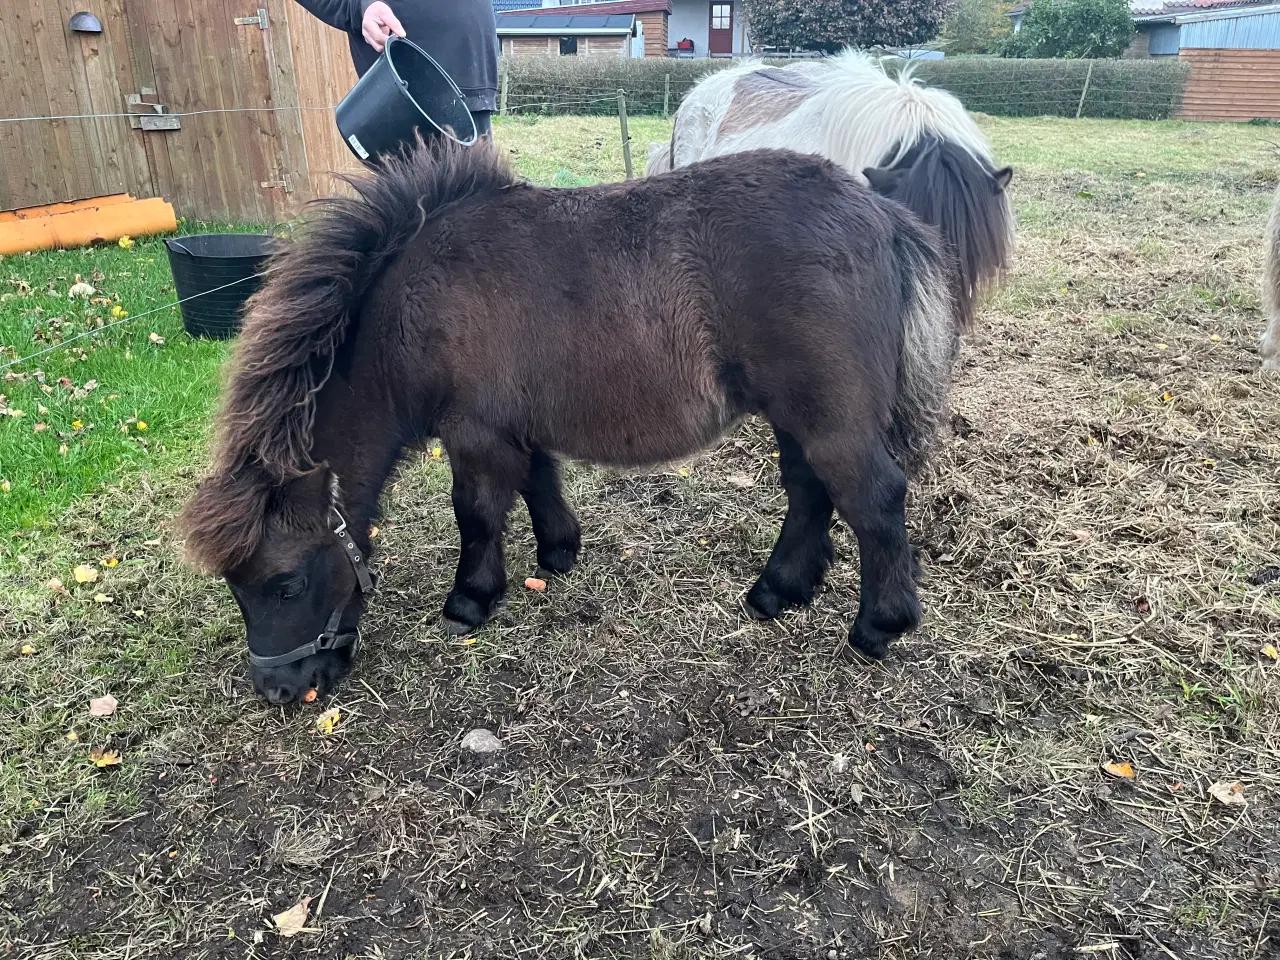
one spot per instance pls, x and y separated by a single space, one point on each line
626 324
913 143
1270 346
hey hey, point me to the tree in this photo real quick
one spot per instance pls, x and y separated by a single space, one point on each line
830 25
1074 29
977 26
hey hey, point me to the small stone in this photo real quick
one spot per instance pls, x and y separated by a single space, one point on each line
481 740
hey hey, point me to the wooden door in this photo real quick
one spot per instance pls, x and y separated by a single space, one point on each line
48 71
720 35
229 157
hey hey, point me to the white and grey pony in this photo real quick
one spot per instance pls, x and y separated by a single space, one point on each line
914 143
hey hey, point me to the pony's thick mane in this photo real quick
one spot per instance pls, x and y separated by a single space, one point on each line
296 323
873 119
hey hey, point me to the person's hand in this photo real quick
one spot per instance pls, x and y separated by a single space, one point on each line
379 24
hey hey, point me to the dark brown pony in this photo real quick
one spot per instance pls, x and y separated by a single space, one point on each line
626 324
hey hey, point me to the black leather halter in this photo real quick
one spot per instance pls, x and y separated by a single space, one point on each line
330 639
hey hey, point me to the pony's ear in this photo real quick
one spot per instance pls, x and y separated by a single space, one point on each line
882 179
313 491
1002 178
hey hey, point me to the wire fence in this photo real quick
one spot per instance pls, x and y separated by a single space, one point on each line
1116 89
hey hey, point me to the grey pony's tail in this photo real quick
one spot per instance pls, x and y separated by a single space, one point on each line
930 343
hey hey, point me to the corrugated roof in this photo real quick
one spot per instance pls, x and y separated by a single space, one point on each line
573 23
1151 8
606 8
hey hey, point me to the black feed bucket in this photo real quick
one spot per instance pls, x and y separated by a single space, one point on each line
202 264
405 90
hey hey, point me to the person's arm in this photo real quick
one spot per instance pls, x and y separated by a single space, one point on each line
346 15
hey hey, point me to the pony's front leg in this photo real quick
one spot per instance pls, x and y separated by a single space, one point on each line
485 479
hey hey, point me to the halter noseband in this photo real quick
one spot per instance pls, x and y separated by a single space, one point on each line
330 639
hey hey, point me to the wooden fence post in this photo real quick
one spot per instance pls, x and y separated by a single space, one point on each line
626 133
666 97
506 82
1087 77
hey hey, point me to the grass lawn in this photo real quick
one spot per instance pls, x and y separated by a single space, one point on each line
1102 581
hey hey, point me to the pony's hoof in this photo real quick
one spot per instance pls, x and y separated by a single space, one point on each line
463 615
763 602
869 641
557 560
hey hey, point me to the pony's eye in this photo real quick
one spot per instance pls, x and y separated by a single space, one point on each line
292 589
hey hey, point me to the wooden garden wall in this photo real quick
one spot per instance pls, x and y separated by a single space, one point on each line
231 130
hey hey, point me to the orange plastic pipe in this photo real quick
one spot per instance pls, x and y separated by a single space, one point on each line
76 228
50 209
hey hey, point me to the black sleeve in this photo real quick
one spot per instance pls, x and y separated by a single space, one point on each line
346 15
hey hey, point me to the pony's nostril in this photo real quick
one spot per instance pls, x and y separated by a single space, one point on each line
279 694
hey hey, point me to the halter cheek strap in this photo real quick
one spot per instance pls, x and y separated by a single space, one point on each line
330 639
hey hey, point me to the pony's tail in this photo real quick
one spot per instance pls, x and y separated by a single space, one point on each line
930 342
1270 346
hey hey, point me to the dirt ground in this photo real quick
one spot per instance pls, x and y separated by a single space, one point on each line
1029 776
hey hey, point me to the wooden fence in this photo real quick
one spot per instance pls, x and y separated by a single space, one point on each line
223 107
1229 84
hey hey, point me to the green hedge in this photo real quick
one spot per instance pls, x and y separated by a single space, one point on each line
1122 89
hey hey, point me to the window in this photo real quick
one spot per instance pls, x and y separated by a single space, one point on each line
721 16
568 46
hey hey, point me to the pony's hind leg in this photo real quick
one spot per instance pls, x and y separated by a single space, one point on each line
870 489
486 476
803 552
554 525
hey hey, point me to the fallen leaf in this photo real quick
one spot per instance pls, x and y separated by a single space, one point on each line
1214 338
1166 396
72 736
109 562
310 695
1082 535
103 706
1142 605
328 720
1230 793
1162 346
6 486
56 586
81 291
1269 650
27 650
62 450
293 921
40 427
103 598
740 480
373 533
436 453
1123 770
85 573
104 758
125 242
155 338
534 583
683 471
119 312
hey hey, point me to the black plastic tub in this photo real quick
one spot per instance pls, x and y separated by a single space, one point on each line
214 274
405 91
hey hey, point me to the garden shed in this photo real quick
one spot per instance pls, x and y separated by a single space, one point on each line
223 107
1233 49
